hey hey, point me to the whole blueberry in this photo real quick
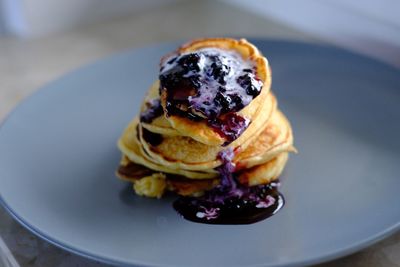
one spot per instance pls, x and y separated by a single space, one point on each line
190 62
223 101
237 101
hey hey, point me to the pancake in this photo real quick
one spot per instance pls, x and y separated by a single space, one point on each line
130 147
264 173
276 138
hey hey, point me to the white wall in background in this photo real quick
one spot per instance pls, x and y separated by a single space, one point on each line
367 26
28 18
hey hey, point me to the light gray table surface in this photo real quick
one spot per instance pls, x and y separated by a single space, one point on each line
26 65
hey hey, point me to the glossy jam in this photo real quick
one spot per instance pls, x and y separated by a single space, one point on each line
258 204
231 202
208 83
154 110
230 127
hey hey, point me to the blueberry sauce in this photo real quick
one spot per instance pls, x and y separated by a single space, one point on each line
208 83
154 110
230 127
231 202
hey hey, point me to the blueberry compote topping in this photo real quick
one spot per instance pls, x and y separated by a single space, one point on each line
230 202
209 84
154 110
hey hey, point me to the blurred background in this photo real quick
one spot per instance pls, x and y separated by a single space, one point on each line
42 39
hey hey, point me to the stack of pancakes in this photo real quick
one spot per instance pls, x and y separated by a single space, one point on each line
164 152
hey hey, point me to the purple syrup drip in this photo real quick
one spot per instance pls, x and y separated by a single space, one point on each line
154 110
231 127
229 188
231 202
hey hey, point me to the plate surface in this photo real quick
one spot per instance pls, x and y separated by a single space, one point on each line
58 156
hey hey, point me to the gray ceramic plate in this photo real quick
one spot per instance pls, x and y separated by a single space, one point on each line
58 156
